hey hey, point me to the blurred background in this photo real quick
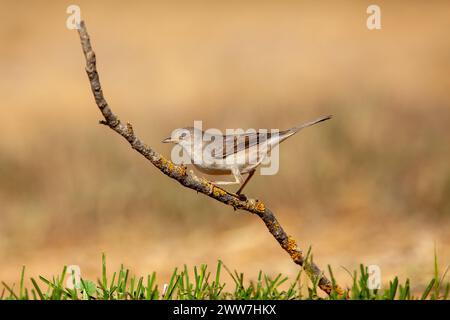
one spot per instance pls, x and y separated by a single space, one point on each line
370 186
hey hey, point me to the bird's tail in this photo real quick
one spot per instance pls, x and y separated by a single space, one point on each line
296 129
310 123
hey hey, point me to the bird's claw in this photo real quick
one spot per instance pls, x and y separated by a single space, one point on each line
242 197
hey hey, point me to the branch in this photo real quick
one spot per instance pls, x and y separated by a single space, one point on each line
190 180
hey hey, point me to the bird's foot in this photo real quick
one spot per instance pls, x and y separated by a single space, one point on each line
242 197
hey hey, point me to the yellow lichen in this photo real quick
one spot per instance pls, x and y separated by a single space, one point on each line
169 165
163 161
217 192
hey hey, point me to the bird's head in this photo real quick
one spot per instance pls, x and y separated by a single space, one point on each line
181 136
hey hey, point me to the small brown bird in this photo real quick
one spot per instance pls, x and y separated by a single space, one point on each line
235 154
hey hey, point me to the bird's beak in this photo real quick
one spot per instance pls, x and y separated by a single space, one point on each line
167 140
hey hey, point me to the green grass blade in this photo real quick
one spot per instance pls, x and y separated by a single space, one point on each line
428 289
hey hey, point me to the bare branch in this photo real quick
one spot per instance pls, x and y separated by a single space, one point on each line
190 180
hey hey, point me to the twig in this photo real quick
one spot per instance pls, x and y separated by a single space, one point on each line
190 180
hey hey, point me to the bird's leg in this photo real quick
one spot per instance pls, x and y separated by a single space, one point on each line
250 175
225 183
237 176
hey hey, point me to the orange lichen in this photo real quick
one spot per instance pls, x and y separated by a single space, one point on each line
291 248
130 128
181 170
328 287
260 207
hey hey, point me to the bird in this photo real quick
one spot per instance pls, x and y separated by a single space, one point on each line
232 154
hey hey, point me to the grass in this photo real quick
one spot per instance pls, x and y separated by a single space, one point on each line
204 285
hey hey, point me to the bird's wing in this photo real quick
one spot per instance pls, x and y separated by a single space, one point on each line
233 143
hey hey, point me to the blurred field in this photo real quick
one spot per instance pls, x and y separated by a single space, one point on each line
371 186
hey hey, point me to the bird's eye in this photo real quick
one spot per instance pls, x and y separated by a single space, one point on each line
183 135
